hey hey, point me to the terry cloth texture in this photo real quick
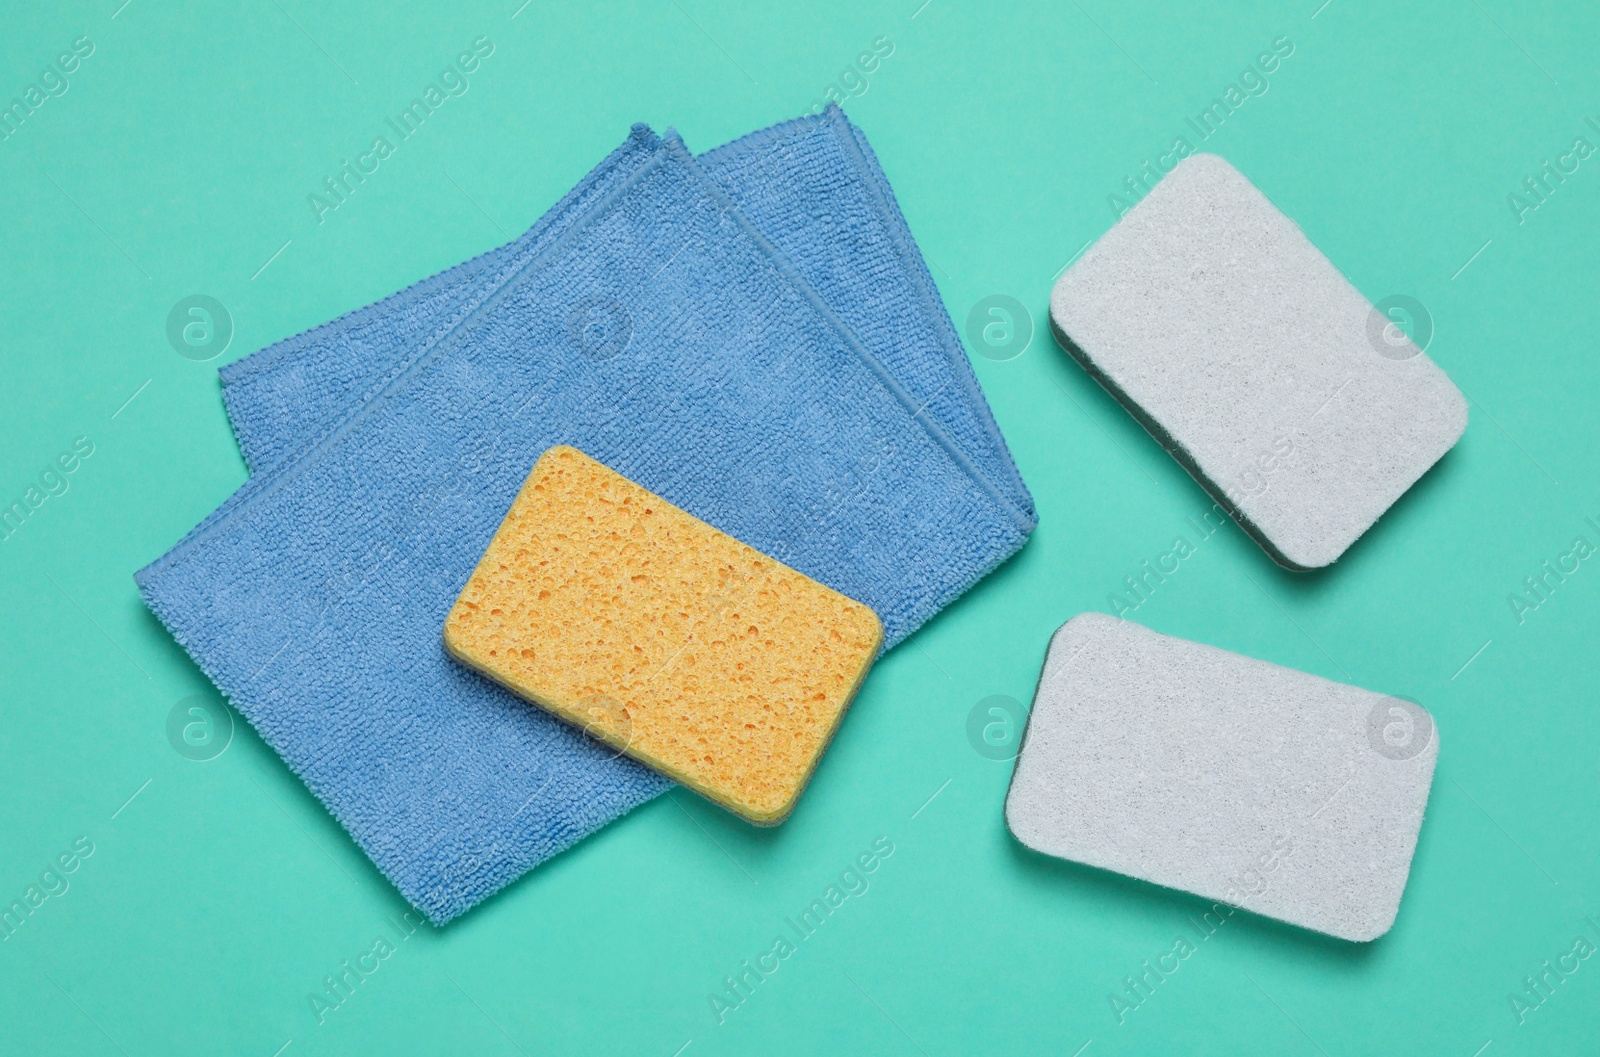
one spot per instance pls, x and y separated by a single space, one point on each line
668 640
646 322
1213 319
1265 788
811 186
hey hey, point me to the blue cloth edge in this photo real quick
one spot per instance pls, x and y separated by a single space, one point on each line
269 355
1024 520
854 142
264 482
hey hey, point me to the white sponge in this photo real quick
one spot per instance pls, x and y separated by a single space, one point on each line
1212 318
1262 787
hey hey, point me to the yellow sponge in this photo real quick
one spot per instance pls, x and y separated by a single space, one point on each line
663 637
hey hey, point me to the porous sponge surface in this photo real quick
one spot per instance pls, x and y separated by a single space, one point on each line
1262 787
1212 317
662 636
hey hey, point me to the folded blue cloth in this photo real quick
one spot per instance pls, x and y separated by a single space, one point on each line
812 186
315 595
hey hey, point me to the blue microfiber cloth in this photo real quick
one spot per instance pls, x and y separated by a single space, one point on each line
315 595
812 186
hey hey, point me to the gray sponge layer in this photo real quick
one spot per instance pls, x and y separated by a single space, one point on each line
1245 352
1262 787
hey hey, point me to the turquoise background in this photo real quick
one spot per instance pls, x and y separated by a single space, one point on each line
219 893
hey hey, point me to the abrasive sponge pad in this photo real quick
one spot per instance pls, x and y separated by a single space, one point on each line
662 636
1213 319
1263 787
